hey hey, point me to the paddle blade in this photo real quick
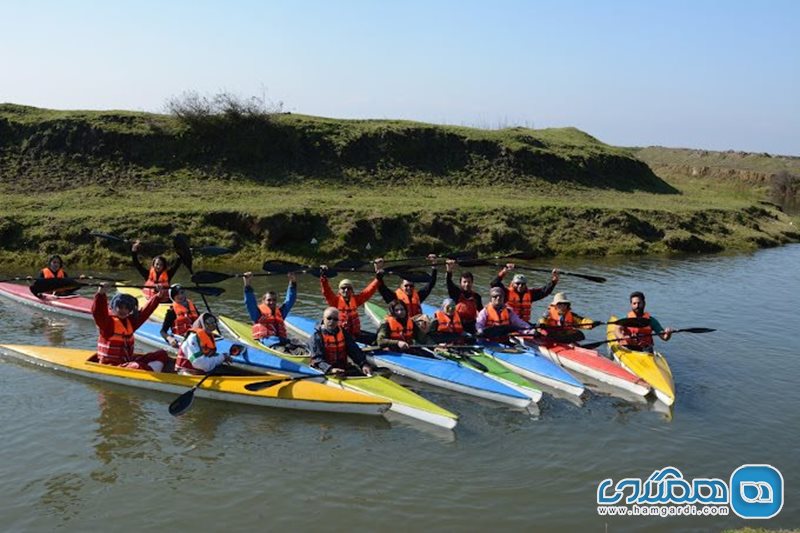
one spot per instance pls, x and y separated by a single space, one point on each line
182 403
414 277
207 276
212 250
54 284
181 244
635 322
459 256
694 330
520 255
207 291
261 385
468 263
278 266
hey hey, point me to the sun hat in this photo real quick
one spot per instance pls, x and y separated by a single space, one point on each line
345 283
560 298
519 278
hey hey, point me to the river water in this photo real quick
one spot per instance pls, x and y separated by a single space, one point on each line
84 455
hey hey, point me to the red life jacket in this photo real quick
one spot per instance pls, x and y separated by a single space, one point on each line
641 342
493 318
467 308
400 332
184 317
447 325
554 319
118 348
520 304
156 278
348 315
335 349
207 345
48 274
413 307
269 324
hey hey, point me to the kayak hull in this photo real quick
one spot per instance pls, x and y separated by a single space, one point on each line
300 395
71 305
530 363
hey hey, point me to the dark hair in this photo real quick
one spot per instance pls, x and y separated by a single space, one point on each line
395 304
55 256
163 259
468 275
636 294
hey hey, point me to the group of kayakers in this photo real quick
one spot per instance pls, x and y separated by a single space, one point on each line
335 343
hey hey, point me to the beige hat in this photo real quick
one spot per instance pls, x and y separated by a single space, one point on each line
345 283
560 298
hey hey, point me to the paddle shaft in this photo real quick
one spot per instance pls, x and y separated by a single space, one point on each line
593 345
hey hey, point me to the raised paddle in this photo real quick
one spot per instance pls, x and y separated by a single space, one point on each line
261 385
471 360
54 284
207 276
279 266
529 255
159 248
593 345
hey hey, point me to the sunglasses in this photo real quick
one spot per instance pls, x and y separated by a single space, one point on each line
332 318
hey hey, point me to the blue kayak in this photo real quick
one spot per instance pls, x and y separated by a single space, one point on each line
440 372
150 333
530 363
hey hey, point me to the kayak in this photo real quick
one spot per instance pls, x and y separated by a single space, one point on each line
303 395
651 367
71 305
475 359
441 373
590 363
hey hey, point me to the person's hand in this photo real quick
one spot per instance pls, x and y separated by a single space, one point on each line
172 341
292 277
378 264
449 264
137 245
228 357
323 269
432 259
554 277
367 370
667 334
103 288
509 267
159 287
403 345
336 371
82 276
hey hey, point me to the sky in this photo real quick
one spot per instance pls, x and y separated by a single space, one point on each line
711 74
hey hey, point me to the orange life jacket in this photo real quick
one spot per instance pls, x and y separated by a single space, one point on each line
207 344
184 317
520 304
118 348
152 280
493 318
448 325
413 307
335 348
554 319
641 342
48 274
348 314
467 308
269 324
400 332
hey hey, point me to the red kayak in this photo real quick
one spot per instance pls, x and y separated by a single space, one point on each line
72 305
592 364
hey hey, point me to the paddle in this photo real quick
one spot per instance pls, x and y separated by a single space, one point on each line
593 345
207 276
528 255
53 284
182 403
471 360
82 276
261 385
158 248
279 266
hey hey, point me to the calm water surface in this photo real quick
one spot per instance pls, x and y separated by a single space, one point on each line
81 455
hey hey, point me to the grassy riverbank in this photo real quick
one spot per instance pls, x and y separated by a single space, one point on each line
401 187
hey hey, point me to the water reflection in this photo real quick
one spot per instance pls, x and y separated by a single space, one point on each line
62 496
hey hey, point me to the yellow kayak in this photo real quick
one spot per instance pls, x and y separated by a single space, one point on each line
651 367
303 395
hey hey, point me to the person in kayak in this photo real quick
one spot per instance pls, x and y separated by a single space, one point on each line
159 273
496 321
115 343
332 346
447 320
406 293
398 331
55 269
269 327
518 296
468 302
179 317
198 352
560 324
347 302
643 340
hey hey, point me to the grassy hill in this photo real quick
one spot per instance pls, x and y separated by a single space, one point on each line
402 187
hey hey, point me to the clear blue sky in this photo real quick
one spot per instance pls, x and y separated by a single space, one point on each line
704 74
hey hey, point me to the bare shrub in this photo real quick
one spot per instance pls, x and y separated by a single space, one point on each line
223 108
